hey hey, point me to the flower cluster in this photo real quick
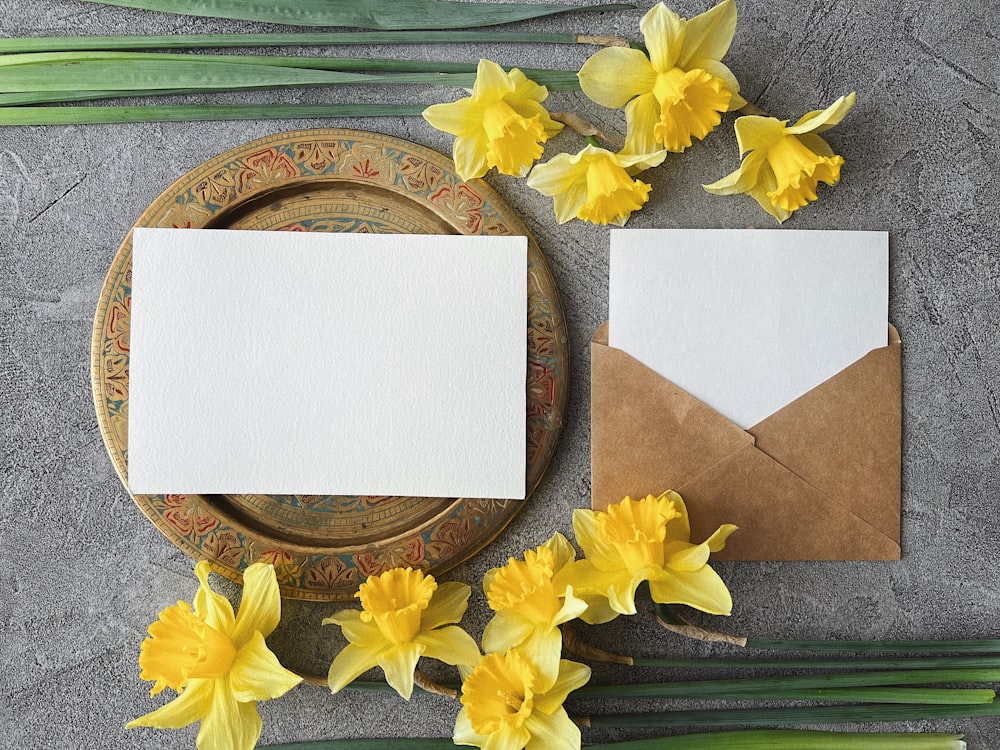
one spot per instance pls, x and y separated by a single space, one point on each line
674 91
512 691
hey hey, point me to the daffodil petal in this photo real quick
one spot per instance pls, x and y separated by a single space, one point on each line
822 120
739 181
816 144
766 183
356 630
614 75
701 589
506 630
260 607
398 663
230 725
492 81
683 556
216 608
641 117
469 153
190 706
457 118
717 542
257 675
719 70
464 734
621 591
571 609
708 35
756 133
525 88
562 550
554 731
678 527
563 178
663 32
598 610
572 676
543 649
507 738
448 604
452 645
348 664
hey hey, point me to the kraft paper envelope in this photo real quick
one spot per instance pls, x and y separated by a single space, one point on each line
817 480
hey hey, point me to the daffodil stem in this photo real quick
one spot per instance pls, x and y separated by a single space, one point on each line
927 662
796 739
752 739
763 687
879 647
592 140
769 717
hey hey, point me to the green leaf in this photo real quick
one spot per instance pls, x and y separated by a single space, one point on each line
191 113
364 14
295 39
146 72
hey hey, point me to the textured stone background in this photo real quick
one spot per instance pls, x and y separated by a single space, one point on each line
84 573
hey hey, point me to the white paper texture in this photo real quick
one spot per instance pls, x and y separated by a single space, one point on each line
748 320
300 363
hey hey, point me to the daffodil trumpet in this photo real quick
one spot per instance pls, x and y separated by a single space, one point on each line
675 91
218 663
405 615
782 165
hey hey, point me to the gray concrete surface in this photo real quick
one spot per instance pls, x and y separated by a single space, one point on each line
84 572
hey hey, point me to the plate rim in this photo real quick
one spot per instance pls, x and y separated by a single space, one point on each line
122 260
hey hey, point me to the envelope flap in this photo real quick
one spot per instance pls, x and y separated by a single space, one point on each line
780 515
648 435
843 437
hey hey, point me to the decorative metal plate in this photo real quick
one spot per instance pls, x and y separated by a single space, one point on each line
323 547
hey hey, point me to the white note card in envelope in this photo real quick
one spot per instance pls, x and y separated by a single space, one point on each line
748 320
307 363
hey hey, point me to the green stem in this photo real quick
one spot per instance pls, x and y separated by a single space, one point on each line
299 39
198 113
366 14
795 739
767 739
760 687
879 647
770 717
927 662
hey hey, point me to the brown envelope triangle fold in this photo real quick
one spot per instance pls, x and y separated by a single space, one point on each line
816 480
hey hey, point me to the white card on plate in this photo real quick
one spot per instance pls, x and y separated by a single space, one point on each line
748 320
308 363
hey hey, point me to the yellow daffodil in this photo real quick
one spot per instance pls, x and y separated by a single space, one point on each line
645 540
782 164
595 184
403 611
508 704
218 663
502 124
529 608
679 91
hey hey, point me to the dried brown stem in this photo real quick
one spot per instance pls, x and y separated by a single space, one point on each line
576 645
602 40
577 123
426 683
698 633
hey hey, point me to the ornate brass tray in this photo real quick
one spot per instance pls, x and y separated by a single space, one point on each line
332 181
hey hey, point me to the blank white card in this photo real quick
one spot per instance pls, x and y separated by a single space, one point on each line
748 320
301 363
